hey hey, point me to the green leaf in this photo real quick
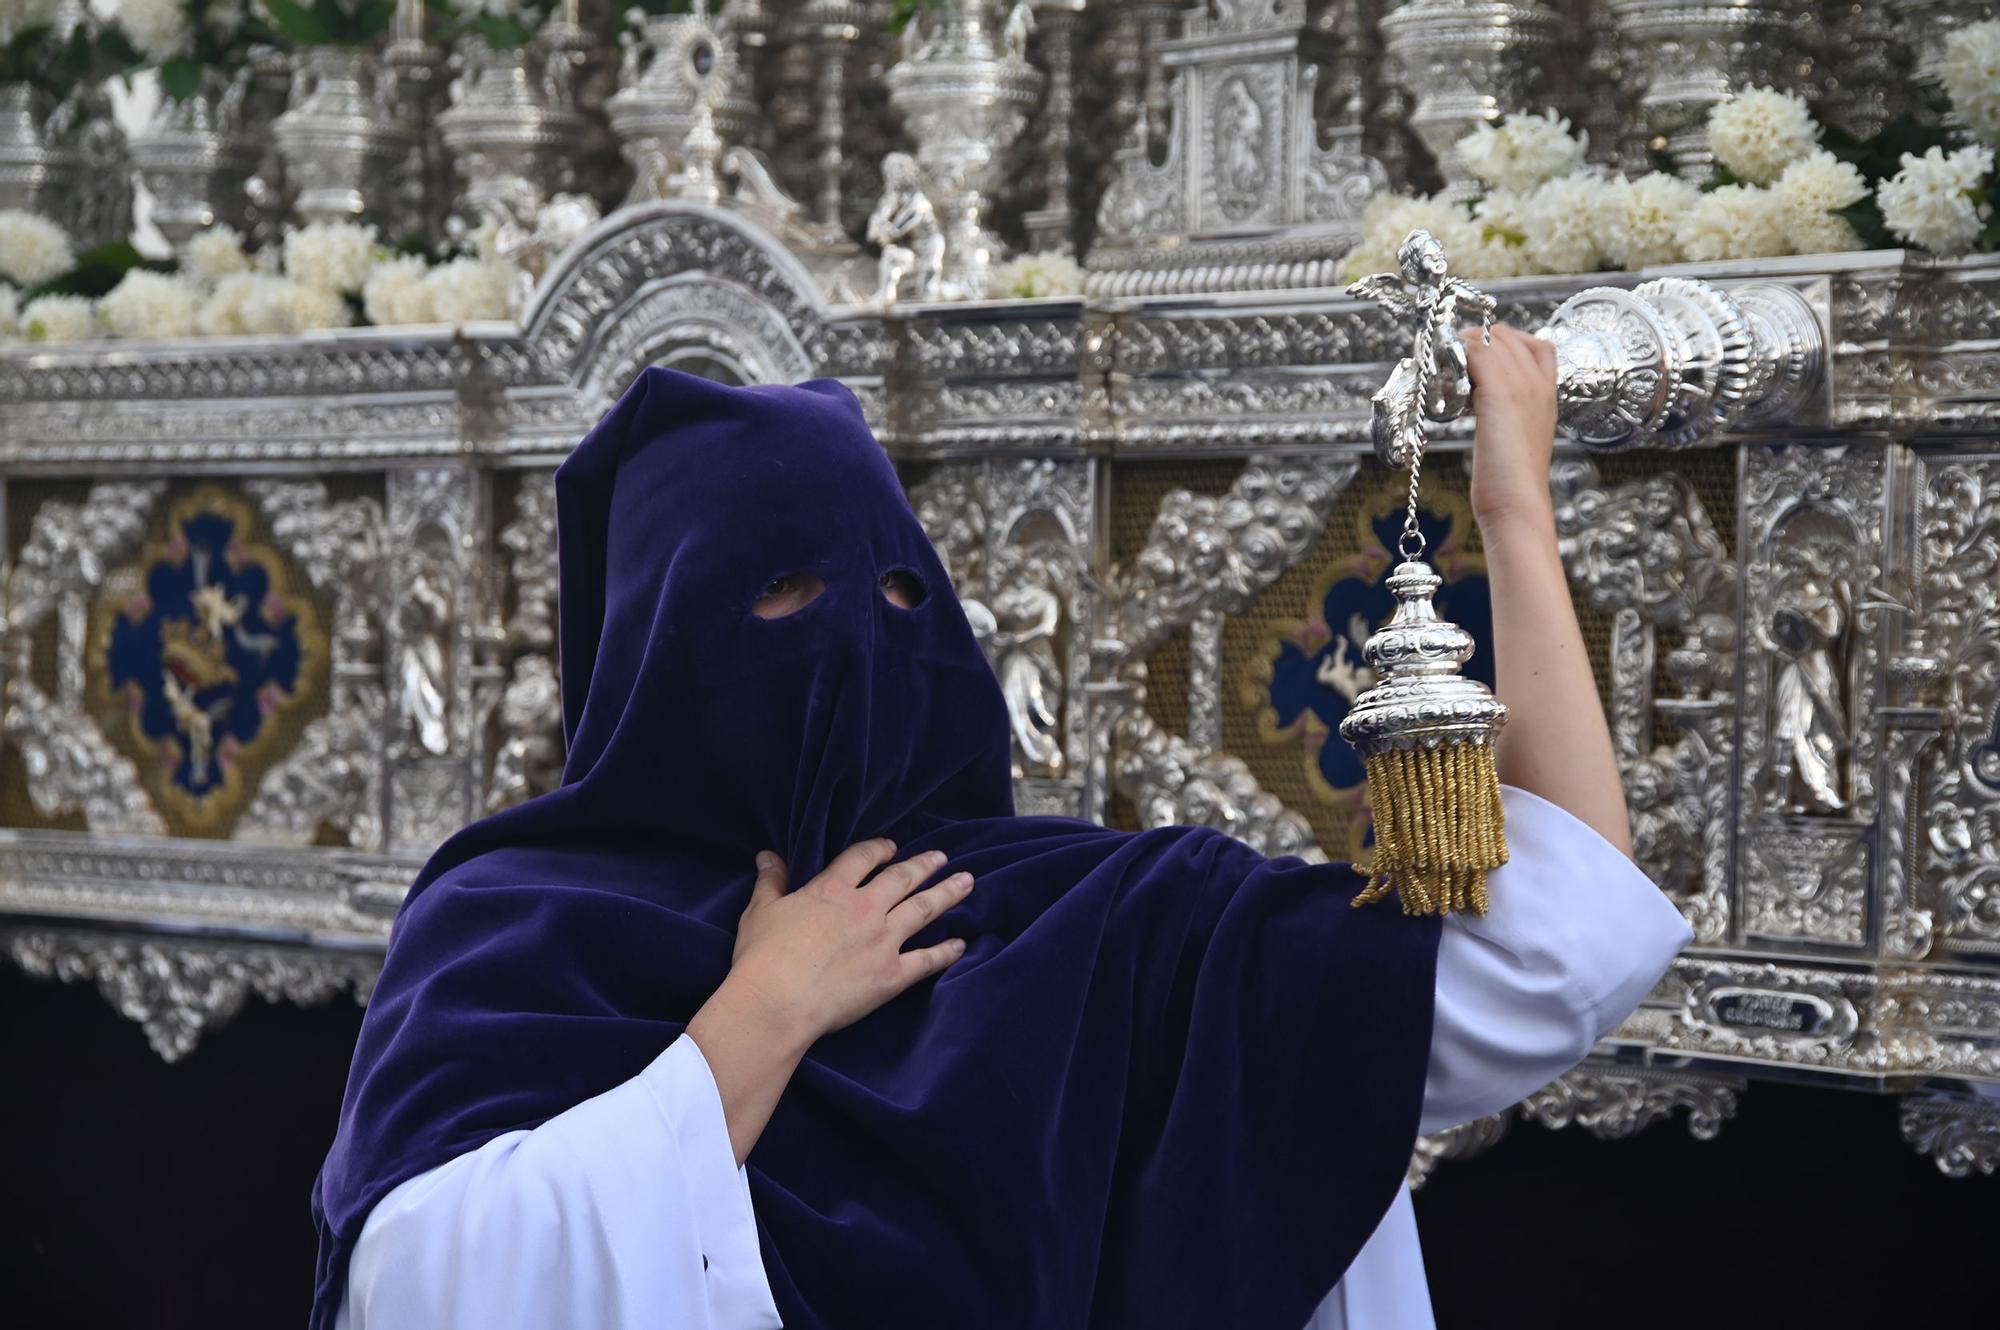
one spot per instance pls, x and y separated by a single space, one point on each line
180 78
301 24
1866 219
503 34
96 272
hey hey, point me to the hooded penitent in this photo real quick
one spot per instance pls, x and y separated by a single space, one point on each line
1170 1083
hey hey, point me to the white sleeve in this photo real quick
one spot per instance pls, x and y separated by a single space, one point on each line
627 1210
1574 939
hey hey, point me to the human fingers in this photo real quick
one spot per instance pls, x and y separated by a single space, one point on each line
770 884
855 863
927 961
909 918
1545 355
898 880
1487 358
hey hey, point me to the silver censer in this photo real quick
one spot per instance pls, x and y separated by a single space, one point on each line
1671 363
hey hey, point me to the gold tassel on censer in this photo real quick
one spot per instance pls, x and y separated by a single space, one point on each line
1424 731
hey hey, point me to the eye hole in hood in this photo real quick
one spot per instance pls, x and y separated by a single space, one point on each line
788 594
903 588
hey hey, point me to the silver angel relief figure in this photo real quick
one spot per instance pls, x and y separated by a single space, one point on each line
1432 382
1808 634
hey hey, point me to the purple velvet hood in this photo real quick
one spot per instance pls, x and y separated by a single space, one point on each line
1171 1082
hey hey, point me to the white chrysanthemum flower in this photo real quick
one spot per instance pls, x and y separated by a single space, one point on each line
60 319
1643 220
1031 276
1735 222
214 254
223 313
288 306
1811 192
1932 201
151 305
18 16
225 18
1523 152
1760 131
466 290
1971 74
159 28
1388 220
332 256
1564 222
262 304
10 313
1502 248
33 249
396 292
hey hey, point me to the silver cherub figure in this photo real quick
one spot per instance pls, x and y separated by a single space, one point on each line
1433 381
905 225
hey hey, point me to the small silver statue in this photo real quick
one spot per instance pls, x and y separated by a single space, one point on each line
424 667
1019 27
905 225
1809 718
530 760
1027 618
1433 381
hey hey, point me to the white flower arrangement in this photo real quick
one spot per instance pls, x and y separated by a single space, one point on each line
313 280
332 256
1810 195
1936 200
214 254
222 314
396 292
1643 218
1523 152
1502 247
1564 221
1759 132
467 289
266 304
33 249
1033 276
59 319
1971 75
1734 222
150 305
1389 217
19 16
159 29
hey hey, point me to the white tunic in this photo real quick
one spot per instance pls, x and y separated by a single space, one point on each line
629 1210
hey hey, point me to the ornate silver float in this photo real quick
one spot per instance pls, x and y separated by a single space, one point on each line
1160 493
